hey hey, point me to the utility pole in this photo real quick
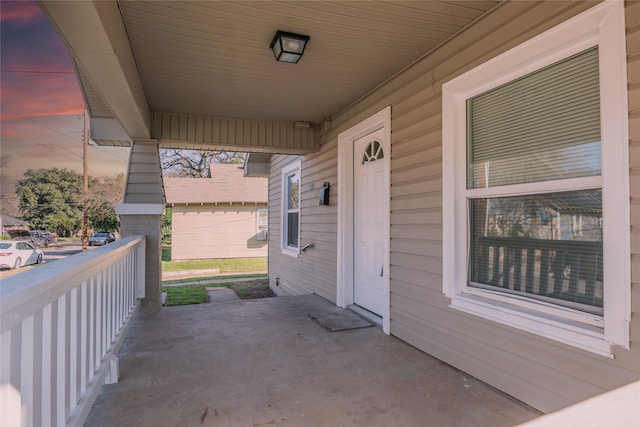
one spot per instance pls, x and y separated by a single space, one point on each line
85 199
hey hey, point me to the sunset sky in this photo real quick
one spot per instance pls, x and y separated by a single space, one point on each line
41 105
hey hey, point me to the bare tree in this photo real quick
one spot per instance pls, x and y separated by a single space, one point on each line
10 204
106 192
195 163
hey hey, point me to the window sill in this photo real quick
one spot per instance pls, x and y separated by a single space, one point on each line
576 334
291 252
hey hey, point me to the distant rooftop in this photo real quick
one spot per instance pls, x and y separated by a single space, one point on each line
9 221
227 184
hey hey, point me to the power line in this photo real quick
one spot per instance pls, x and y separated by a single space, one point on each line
60 147
37 72
106 151
66 135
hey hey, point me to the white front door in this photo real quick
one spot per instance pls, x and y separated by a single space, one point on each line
369 237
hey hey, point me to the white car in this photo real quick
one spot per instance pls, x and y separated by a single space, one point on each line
15 254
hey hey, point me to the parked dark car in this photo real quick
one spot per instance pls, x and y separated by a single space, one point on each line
40 238
101 238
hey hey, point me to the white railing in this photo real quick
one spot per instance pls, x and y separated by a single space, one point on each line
61 325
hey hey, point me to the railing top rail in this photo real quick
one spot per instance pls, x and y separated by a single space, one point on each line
39 286
546 243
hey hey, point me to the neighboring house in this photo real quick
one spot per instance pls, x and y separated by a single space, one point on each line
13 227
224 216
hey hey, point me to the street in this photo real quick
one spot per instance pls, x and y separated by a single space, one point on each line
52 253
59 251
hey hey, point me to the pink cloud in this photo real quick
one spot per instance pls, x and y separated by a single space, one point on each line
9 133
18 11
38 95
37 79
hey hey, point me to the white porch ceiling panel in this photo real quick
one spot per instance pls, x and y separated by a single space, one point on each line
212 58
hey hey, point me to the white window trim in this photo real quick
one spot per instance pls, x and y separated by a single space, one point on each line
346 140
601 25
258 225
292 167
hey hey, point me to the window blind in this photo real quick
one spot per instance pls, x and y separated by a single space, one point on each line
542 126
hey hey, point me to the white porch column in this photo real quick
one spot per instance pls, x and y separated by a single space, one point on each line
141 214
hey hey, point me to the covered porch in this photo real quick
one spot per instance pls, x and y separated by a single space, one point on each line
267 362
201 75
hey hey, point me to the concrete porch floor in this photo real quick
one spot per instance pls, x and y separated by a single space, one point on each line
266 362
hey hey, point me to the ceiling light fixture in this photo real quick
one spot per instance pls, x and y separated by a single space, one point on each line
288 47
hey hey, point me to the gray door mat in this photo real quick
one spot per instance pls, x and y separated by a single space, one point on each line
339 319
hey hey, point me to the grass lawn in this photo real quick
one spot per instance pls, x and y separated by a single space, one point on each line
184 295
197 294
232 265
213 285
69 239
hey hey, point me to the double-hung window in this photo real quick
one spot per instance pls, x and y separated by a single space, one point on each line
291 208
535 176
262 224
263 219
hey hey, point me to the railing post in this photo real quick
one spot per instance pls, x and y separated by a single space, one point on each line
145 220
141 214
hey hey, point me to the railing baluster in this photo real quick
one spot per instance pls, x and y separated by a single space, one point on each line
26 371
495 270
9 366
506 268
517 269
84 335
558 273
62 383
483 262
6 357
544 271
37 367
590 268
74 350
92 328
48 359
98 329
573 260
530 273
108 327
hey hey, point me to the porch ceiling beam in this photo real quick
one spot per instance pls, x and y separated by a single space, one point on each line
96 37
256 136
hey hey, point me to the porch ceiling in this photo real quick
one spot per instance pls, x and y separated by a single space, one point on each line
212 59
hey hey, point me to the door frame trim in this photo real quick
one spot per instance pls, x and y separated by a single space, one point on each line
344 291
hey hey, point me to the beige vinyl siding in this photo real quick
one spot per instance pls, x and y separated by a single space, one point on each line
632 15
216 231
144 178
543 373
189 131
313 271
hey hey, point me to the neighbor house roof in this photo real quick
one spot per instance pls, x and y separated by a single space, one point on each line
9 221
227 184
